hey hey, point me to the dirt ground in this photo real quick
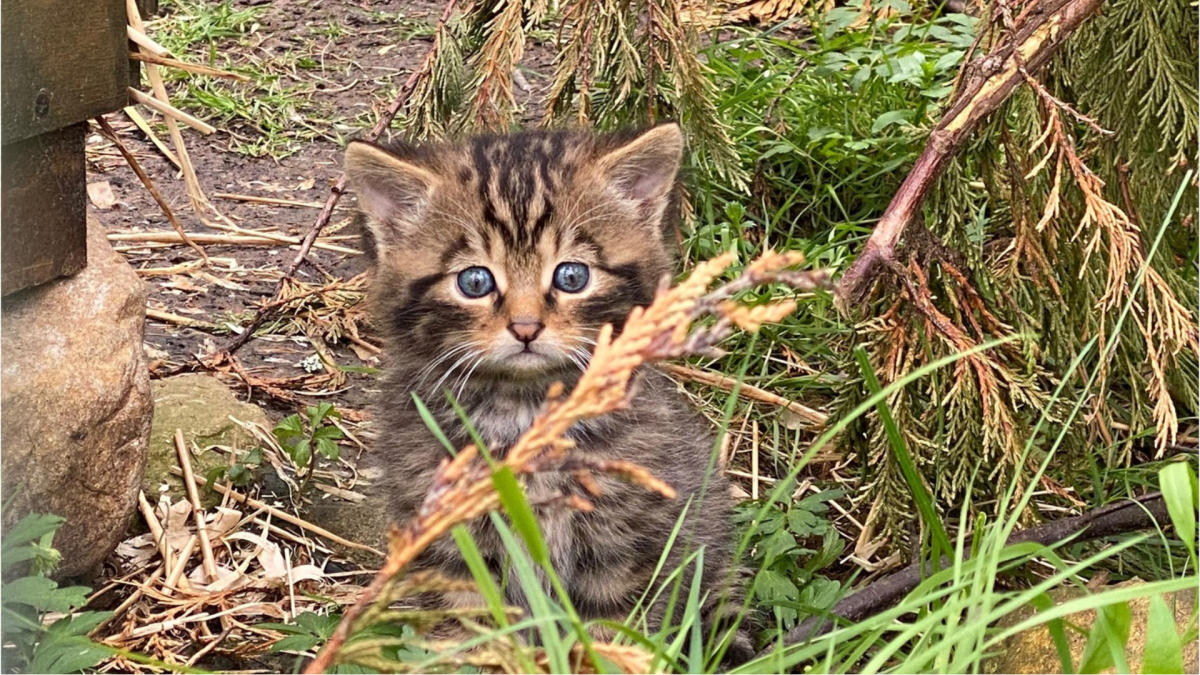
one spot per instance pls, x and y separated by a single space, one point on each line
353 58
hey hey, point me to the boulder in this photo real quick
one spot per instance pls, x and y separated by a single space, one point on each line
201 406
76 398
1033 651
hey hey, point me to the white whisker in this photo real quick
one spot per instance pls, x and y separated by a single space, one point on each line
466 378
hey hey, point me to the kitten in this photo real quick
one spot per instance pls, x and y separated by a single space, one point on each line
497 260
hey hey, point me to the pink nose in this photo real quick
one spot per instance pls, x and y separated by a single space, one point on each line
526 331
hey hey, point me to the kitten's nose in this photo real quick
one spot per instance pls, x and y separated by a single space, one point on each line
525 330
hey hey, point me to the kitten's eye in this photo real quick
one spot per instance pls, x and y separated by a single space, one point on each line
570 277
476 282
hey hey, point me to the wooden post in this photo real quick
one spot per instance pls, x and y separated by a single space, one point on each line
63 62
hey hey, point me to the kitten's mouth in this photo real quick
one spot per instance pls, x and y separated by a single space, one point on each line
527 362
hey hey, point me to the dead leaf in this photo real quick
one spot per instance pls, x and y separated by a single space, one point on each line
365 355
222 522
101 195
137 550
223 283
307 573
348 495
174 519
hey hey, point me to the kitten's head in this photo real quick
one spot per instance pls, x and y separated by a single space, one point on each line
500 257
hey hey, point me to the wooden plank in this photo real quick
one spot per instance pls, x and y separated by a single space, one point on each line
64 61
43 208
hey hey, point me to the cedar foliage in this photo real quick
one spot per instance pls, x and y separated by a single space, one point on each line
1040 227
1048 218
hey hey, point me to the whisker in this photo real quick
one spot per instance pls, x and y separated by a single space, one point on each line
424 373
466 378
437 385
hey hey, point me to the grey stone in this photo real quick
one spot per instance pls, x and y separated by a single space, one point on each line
76 398
201 406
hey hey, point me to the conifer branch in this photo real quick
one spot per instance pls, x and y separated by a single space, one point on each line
1038 32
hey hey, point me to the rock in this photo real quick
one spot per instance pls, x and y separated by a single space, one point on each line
201 406
366 522
1033 651
76 397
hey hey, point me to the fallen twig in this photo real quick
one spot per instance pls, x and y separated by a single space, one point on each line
111 135
140 122
185 463
287 517
169 317
195 192
1119 518
815 418
137 37
260 239
196 68
128 602
157 532
171 111
267 200
986 84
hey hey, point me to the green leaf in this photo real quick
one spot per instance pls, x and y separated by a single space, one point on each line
1178 484
321 625
317 414
295 643
327 448
890 118
920 494
521 515
67 654
289 429
432 425
1057 632
31 528
215 474
329 431
481 573
820 593
254 457
43 594
1106 641
949 60
78 624
301 453
1163 651
804 523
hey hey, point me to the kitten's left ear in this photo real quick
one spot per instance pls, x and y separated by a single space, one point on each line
643 170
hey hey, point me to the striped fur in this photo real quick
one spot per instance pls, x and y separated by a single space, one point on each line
519 205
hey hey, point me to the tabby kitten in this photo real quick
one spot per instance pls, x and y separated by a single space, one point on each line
497 260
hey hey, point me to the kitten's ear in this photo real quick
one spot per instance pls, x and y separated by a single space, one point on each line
391 191
643 170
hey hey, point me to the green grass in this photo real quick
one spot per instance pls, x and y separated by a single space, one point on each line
283 107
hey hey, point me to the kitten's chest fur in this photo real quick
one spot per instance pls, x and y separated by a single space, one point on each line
500 417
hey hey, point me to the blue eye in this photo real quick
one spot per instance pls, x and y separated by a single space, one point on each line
570 277
476 282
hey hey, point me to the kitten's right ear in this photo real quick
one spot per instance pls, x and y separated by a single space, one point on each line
392 192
